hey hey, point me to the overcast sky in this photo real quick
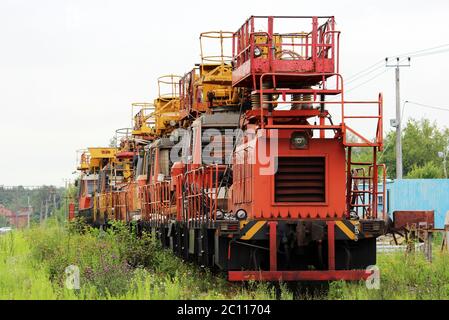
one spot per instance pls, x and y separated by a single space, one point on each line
70 69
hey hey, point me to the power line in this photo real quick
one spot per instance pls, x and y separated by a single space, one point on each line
366 69
379 64
429 53
372 78
428 106
364 74
411 53
369 80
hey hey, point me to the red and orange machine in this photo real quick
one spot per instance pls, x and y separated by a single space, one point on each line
278 196
317 222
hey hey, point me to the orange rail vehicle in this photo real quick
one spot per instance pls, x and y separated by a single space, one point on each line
247 171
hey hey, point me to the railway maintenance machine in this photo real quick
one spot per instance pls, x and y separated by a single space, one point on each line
280 195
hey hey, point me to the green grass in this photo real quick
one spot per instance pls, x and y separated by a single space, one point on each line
114 264
402 277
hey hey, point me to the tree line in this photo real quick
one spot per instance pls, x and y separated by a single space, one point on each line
424 147
44 200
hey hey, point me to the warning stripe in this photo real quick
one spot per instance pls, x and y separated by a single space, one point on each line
253 230
343 227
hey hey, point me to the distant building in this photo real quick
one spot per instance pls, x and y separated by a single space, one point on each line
17 219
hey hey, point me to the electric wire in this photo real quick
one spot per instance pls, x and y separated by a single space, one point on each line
360 73
428 106
380 63
365 82
429 53
422 51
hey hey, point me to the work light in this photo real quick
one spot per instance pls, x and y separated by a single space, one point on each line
299 140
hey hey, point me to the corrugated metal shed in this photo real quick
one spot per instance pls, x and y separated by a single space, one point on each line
420 194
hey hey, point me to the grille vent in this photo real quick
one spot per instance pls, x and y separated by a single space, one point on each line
300 179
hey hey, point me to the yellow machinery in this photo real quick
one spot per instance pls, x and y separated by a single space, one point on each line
166 113
123 167
92 162
99 157
209 85
215 77
143 120
83 159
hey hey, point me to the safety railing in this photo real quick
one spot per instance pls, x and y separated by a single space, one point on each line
156 202
322 42
122 134
364 188
186 92
224 54
270 97
198 195
105 204
242 177
168 87
116 205
142 121
378 140
83 159
132 197
120 205
377 175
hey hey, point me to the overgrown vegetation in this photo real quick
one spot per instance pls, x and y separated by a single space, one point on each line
402 277
114 264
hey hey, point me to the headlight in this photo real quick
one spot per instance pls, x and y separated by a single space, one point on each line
241 214
219 215
257 52
299 140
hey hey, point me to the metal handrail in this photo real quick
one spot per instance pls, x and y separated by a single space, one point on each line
318 38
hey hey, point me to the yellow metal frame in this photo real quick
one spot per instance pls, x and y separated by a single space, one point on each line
143 121
102 153
216 70
83 158
167 104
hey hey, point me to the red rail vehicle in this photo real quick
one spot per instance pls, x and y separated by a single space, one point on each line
242 167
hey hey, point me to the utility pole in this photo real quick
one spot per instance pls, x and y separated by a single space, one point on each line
397 122
66 209
46 209
29 212
41 212
54 203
